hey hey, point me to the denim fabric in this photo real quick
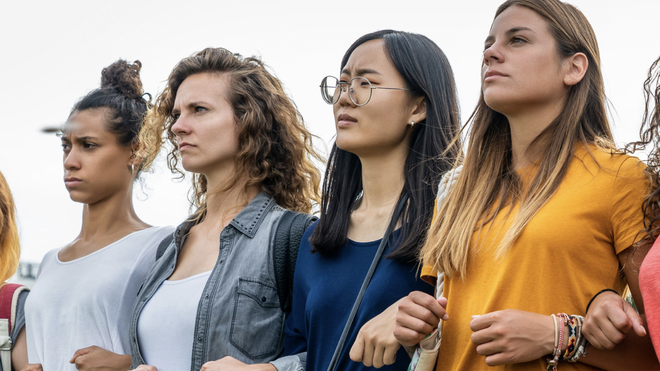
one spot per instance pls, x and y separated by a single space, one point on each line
239 311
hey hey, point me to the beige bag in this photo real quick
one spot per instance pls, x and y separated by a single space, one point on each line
426 354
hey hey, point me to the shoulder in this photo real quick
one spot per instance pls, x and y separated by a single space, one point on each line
605 162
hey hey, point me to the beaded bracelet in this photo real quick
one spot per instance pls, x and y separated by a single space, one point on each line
571 346
581 343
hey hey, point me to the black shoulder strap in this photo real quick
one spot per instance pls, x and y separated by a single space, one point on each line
163 245
289 233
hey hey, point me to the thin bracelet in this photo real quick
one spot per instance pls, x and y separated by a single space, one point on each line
554 319
599 292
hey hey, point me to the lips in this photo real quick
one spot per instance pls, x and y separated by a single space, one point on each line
184 146
492 75
72 181
345 120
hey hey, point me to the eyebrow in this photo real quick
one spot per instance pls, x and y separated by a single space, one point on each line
509 32
360 72
67 137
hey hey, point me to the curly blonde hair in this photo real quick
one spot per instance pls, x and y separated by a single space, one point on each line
10 248
276 149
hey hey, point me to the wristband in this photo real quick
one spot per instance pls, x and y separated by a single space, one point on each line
599 292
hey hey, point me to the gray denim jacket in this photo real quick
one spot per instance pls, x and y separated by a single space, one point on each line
239 311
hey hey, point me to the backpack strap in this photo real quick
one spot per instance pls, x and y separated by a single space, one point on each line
289 233
163 245
9 293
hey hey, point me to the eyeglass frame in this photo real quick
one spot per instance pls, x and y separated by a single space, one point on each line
348 86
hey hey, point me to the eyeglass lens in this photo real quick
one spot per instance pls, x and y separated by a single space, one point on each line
359 90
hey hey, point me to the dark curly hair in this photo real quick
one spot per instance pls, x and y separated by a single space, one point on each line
121 96
650 136
276 148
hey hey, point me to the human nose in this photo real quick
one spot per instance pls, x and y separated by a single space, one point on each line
344 95
493 54
180 126
71 159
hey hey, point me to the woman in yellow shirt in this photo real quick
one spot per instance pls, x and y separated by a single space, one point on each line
543 213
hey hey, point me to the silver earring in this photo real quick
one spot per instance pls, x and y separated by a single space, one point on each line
132 168
412 123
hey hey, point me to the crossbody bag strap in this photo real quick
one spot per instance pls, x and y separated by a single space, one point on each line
365 283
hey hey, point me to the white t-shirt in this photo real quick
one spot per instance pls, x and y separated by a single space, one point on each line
166 326
88 301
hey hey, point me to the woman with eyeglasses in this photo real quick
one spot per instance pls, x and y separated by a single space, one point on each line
543 213
395 111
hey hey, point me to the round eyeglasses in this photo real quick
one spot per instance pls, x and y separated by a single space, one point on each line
359 89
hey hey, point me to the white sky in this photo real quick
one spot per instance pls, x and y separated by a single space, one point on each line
52 53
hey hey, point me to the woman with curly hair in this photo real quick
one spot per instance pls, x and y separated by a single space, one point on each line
79 307
211 300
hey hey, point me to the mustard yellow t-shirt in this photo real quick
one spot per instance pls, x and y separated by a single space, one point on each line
566 254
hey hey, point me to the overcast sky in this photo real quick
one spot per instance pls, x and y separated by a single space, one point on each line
52 53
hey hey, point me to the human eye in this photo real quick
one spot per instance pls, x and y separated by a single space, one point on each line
518 40
174 116
199 109
89 145
66 146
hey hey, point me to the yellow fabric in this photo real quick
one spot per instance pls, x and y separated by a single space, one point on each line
565 255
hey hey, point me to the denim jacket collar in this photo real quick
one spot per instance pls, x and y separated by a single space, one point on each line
247 221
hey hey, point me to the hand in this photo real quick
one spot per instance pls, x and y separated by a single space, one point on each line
33 367
512 336
419 314
375 344
96 359
145 368
609 319
232 364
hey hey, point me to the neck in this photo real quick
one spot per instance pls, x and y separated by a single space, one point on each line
223 204
525 127
383 178
111 215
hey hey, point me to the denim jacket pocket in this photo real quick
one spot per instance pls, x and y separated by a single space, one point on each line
257 327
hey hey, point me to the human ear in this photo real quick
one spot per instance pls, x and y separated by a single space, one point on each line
577 68
419 110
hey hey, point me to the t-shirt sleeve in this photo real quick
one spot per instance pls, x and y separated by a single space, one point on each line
629 190
19 320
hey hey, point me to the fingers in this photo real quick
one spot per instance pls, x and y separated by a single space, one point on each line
368 356
357 349
145 368
636 320
79 353
389 356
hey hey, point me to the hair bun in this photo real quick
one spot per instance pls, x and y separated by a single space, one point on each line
125 77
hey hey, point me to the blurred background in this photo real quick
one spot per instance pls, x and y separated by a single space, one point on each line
52 54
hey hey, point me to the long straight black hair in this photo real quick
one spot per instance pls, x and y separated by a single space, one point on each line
427 73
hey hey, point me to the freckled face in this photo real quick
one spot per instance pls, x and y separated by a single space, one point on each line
205 126
521 67
382 123
96 167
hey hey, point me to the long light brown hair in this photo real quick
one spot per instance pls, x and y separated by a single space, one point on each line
488 183
276 149
10 248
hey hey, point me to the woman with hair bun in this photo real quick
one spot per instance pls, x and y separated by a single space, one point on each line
79 307
214 298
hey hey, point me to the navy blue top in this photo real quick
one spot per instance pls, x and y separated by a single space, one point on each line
324 290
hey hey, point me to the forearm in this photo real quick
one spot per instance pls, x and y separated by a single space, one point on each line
633 353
